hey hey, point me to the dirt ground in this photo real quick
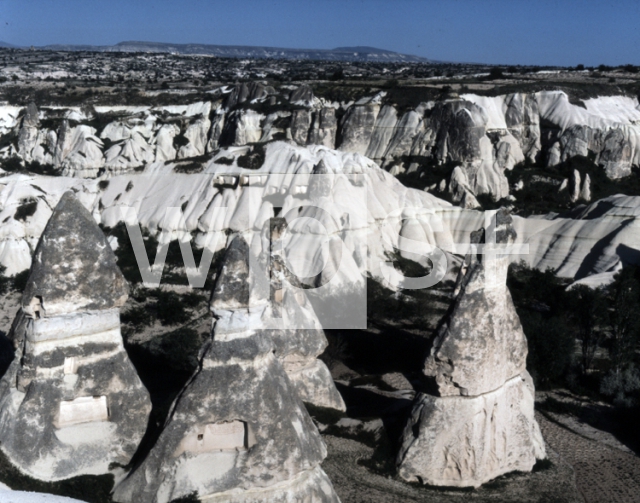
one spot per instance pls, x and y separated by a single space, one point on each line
603 473
354 482
583 469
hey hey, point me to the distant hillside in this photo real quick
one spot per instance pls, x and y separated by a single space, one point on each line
239 51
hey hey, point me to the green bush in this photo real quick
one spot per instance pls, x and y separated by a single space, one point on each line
224 160
12 165
190 498
622 387
540 299
539 197
125 255
138 317
180 140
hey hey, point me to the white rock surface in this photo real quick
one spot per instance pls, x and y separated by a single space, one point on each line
467 441
71 402
238 432
481 424
31 497
566 245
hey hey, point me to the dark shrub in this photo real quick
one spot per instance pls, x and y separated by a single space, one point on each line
171 308
252 159
20 280
26 209
4 281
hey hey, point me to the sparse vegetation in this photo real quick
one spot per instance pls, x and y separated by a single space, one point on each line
252 159
26 209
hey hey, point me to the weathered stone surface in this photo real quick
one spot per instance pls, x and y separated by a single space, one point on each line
298 350
217 127
357 127
480 344
617 153
239 283
300 124
324 128
522 117
165 150
467 441
407 128
246 92
71 402
574 183
8 496
78 151
74 268
302 96
460 189
585 191
482 423
197 134
241 127
28 135
383 130
237 431
128 154
460 125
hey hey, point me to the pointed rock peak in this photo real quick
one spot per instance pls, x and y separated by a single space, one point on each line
74 268
31 116
321 168
302 94
321 181
242 282
505 233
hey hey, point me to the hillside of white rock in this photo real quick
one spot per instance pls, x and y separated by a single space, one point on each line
595 240
483 136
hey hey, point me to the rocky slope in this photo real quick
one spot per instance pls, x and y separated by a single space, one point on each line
594 240
483 136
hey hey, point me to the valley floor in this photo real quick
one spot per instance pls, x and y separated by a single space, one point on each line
602 473
355 483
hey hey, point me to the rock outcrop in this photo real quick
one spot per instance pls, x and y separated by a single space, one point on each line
479 423
238 431
71 402
302 340
357 127
484 135
28 135
595 240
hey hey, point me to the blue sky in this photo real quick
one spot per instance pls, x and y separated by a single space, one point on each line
543 32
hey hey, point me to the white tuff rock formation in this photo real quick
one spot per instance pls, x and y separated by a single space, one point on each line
299 345
71 403
238 431
480 424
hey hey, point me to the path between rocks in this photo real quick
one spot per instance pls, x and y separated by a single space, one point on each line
603 474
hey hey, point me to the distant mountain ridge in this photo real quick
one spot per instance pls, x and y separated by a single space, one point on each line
371 54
